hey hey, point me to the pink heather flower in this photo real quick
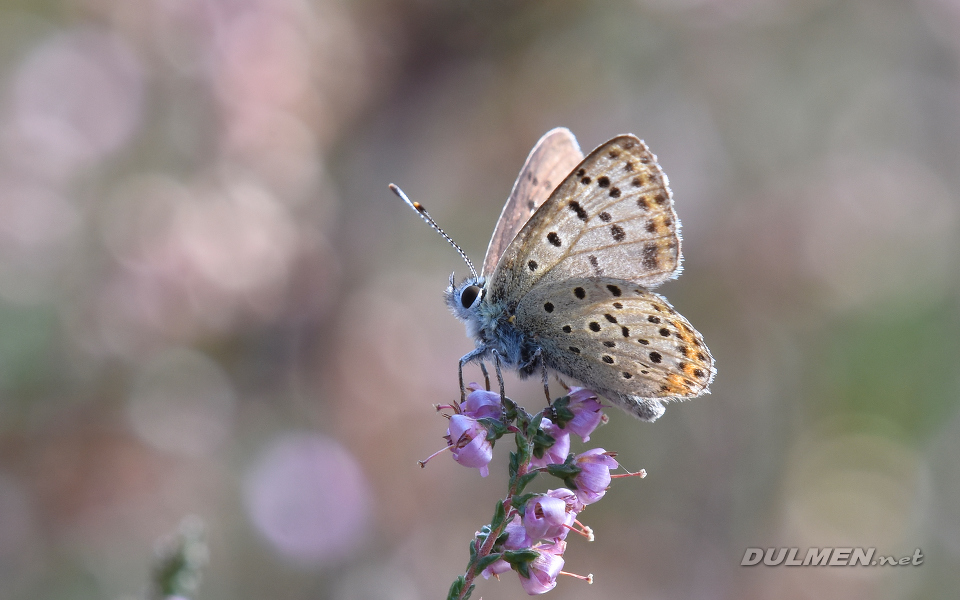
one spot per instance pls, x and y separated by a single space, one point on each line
587 412
496 567
468 441
557 453
517 538
481 403
594 477
544 569
573 503
547 518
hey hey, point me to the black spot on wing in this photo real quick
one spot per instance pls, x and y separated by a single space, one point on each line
579 292
616 291
608 359
603 181
594 326
656 357
567 329
653 319
595 264
618 233
532 265
649 258
575 207
615 192
548 306
553 238
605 217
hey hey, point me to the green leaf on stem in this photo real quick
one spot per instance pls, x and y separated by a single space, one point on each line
486 561
520 560
520 502
456 588
499 516
509 408
495 429
567 471
525 479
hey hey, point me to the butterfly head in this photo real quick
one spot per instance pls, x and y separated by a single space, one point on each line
464 299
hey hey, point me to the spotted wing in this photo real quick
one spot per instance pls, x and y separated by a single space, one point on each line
620 340
611 217
552 159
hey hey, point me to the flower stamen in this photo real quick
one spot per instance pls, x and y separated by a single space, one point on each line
588 578
423 463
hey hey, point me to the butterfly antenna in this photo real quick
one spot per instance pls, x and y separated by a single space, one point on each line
426 217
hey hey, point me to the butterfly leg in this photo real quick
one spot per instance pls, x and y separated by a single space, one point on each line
496 363
486 376
474 355
546 381
538 355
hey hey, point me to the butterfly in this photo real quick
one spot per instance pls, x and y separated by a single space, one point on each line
566 281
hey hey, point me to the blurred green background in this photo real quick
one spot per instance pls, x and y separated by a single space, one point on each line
211 304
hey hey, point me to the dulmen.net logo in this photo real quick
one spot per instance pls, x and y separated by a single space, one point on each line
826 557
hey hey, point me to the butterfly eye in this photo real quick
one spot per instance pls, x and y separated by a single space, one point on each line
469 296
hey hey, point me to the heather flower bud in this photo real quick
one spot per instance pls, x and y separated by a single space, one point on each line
544 569
481 404
594 477
587 412
468 442
547 518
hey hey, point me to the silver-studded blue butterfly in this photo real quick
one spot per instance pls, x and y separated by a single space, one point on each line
567 276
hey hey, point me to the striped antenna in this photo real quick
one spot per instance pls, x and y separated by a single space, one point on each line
426 217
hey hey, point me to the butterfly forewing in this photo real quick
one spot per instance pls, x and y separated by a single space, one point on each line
617 338
552 159
612 216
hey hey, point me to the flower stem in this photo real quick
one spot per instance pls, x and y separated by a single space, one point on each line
513 489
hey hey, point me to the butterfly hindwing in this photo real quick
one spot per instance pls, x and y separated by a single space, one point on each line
618 339
612 216
552 159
